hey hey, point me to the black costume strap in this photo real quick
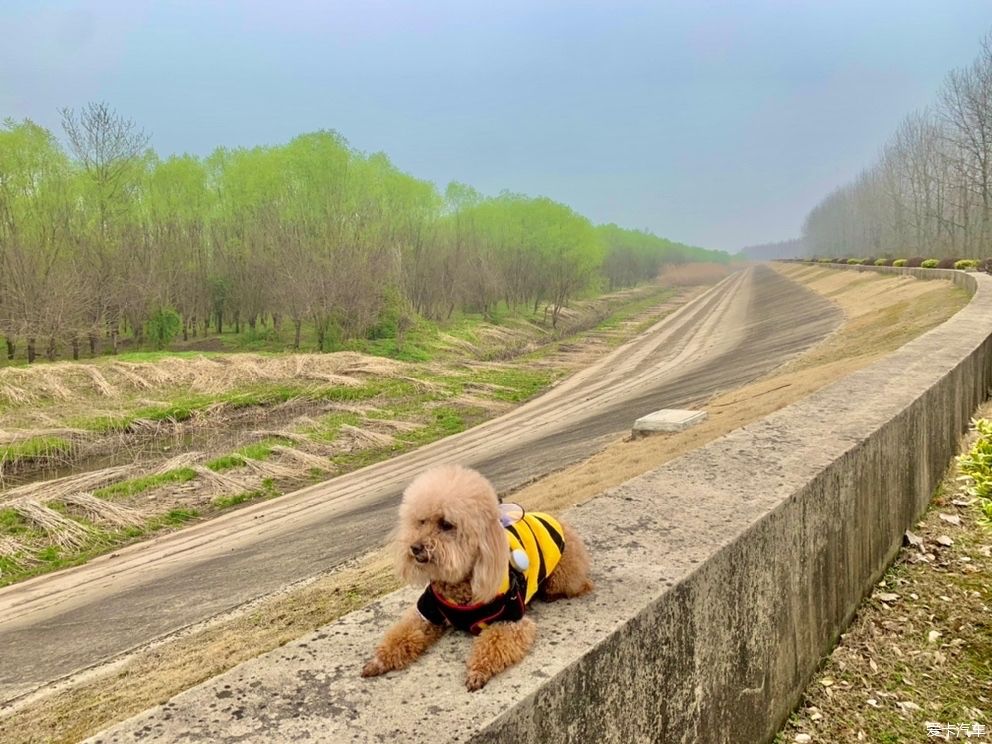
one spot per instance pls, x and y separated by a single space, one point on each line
474 618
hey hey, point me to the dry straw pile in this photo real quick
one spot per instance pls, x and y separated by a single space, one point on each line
201 374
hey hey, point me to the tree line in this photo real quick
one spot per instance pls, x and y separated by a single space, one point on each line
930 191
102 238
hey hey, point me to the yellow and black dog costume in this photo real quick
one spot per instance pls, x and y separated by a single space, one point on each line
538 535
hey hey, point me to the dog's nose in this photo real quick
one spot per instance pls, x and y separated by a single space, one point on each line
418 551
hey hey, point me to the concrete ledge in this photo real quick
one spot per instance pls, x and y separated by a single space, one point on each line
723 577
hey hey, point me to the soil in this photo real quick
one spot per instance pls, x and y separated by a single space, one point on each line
917 657
132 683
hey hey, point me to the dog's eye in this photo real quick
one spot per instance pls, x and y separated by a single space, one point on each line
445 525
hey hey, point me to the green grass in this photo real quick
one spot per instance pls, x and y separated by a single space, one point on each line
35 448
447 420
144 483
255 451
392 398
629 310
46 559
268 490
976 463
13 524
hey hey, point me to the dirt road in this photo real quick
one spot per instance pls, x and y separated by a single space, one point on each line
64 622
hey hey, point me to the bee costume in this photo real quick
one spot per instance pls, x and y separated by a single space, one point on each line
536 542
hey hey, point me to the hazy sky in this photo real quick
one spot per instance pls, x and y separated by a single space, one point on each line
713 123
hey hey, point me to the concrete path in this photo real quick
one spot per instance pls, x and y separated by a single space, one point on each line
58 624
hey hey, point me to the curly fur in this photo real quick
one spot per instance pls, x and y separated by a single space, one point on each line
449 534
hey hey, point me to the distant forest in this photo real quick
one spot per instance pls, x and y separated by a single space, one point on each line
100 237
930 192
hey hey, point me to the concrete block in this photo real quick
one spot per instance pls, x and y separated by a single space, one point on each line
668 419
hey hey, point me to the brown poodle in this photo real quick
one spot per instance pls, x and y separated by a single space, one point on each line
482 566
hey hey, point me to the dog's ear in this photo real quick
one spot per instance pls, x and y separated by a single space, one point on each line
492 564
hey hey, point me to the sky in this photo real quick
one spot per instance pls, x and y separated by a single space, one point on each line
719 124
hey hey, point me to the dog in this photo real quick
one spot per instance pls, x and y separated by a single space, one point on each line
480 574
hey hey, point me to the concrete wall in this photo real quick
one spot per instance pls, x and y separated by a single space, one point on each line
723 578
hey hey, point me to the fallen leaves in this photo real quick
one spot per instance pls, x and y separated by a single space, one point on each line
921 648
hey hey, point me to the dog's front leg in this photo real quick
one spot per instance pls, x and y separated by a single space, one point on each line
497 647
404 642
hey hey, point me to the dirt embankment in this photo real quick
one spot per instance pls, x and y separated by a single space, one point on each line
96 455
872 328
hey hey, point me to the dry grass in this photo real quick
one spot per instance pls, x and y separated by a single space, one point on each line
105 512
220 482
100 382
58 488
694 274
12 436
13 550
272 469
304 459
182 460
366 438
862 339
286 434
920 648
131 376
66 381
60 529
152 675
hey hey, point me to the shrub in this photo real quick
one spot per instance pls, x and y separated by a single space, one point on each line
870 261
915 262
899 262
946 263
930 263
883 261
854 261
838 260
966 264
163 326
825 260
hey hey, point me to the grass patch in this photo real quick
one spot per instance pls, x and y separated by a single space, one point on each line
35 448
976 464
267 491
512 385
447 420
135 486
255 451
632 309
12 523
48 558
391 388
330 425
920 648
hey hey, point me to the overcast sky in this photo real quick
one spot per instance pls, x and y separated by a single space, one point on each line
713 123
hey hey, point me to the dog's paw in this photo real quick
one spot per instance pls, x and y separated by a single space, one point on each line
476 681
374 667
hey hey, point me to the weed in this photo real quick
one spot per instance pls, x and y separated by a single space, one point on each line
35 448
138 485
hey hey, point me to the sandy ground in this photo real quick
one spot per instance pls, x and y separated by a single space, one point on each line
111 693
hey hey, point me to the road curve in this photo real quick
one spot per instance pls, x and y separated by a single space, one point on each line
61 623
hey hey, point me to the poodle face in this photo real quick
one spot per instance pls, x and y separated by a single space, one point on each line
449 532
